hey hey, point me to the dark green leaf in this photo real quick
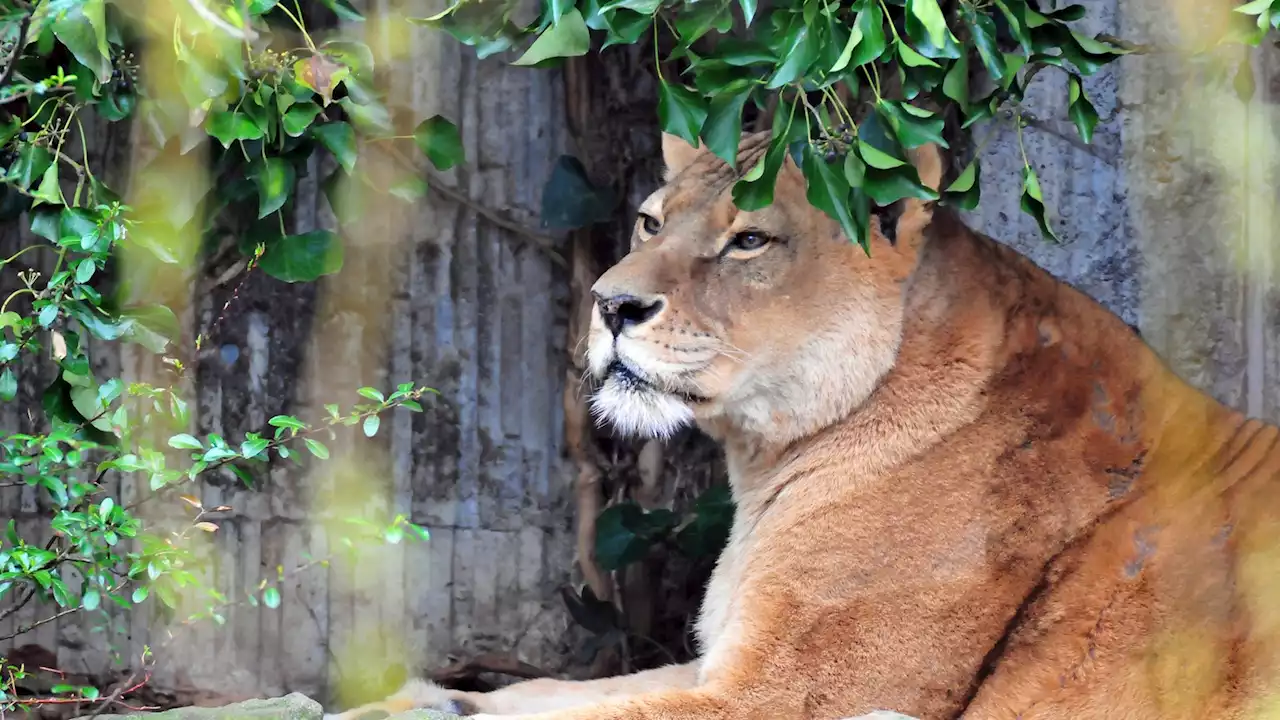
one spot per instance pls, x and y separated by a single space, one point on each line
911 58
1032 202
344 10
31 164
964 192
275 179
755 190
8 385
49 191
440 142
82 27
339 139
930 15
799 54
829 192
870 26
983 31
722 132
303 258
913 126
567 38
570 200
229 127
681 111
299 117
878 144
956 83
886 187
1083 113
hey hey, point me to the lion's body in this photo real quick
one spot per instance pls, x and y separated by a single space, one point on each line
1023 514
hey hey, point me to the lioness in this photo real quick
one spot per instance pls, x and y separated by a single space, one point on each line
964 489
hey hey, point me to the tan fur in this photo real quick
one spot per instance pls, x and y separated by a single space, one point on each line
963 488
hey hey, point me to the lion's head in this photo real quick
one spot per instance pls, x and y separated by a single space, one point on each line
767 323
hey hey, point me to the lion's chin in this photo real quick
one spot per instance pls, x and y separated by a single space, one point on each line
635 407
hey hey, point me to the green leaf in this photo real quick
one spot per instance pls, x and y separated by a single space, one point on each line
372 394
623 535
275 179
911 129
567 38
32 163
82 27
8 385
299 117
681 111
370 426
886 187
570 200
722 132
104 509
340 139
755 190
1032 202
85 269
303 258
964 192
870 25
800 52
855 37
253 446
748 10
49 191
930 15
92 599
183 441
829 192
1082 112
140 594
1254 7
911 58
229 127
956 83
440 142
271 598
317 448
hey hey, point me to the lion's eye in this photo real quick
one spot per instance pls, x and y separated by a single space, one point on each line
750 240
650 224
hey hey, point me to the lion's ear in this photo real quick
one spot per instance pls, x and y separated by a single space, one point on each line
677 153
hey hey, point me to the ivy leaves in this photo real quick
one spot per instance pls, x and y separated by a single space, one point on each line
830 60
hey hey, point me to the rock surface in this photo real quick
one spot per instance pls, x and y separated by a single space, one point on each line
297 706
294 706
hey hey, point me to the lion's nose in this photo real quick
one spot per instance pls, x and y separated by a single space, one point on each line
620 312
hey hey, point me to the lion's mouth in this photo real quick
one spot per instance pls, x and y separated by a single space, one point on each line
631 379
